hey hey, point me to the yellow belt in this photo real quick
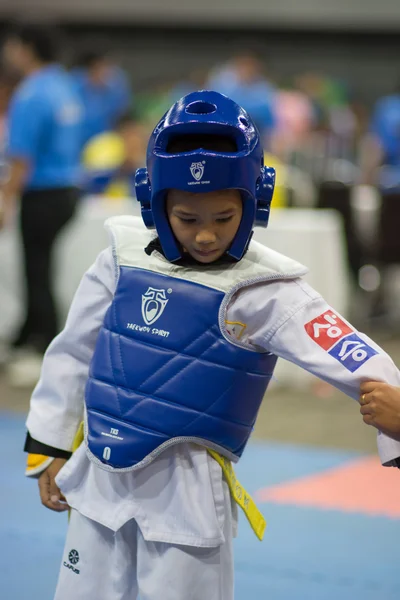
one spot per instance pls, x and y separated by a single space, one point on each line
79 437
239 494
241 497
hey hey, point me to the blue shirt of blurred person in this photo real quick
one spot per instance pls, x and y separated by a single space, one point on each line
385 124
257 97
44 127
103 103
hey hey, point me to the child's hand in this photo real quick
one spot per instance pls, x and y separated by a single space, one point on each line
380 407
50 494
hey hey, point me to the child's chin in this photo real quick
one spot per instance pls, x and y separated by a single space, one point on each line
206 259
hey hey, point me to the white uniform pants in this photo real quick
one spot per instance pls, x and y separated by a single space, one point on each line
103 565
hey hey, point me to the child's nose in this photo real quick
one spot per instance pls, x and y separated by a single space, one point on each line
205 236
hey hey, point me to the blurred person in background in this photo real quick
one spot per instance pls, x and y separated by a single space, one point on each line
9 79
43 147
385 134
110 159
329 156
104 91
153 101
195 80
334 119
295 119
381 168
243 80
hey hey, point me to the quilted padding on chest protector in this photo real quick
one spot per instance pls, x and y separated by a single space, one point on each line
162 372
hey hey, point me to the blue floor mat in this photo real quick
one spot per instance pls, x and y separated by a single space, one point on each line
307 554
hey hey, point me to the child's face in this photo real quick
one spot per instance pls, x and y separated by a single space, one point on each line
205 224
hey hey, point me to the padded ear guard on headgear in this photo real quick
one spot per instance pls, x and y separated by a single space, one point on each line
200 170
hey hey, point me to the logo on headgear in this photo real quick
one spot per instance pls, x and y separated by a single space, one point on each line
153 304
197 170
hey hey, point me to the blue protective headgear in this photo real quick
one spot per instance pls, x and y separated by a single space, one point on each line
202 113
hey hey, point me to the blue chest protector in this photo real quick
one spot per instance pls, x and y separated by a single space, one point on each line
163 373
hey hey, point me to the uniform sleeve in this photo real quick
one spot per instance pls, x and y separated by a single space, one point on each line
27 120
294 322
322 342
57 402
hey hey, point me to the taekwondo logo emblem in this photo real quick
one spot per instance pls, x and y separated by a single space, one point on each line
153 303
197 170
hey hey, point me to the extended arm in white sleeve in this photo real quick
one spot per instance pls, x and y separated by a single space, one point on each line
345 360
291 320
57 402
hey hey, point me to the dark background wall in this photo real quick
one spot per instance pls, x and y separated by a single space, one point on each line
160 41
368 62
339 14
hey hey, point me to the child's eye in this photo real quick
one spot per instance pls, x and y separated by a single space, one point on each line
187 220
224 219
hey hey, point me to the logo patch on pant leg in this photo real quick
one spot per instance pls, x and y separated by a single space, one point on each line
73 558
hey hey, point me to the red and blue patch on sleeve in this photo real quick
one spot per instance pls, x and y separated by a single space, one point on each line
340 341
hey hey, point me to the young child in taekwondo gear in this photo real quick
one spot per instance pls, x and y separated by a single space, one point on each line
166 355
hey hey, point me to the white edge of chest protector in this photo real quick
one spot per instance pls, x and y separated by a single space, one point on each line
129 237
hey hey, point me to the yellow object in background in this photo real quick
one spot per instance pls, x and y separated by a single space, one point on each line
280 197
106 152
103 152
118 189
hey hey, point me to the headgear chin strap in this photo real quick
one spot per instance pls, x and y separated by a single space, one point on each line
205 113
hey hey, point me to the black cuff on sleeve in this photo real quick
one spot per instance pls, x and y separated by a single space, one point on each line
34 447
